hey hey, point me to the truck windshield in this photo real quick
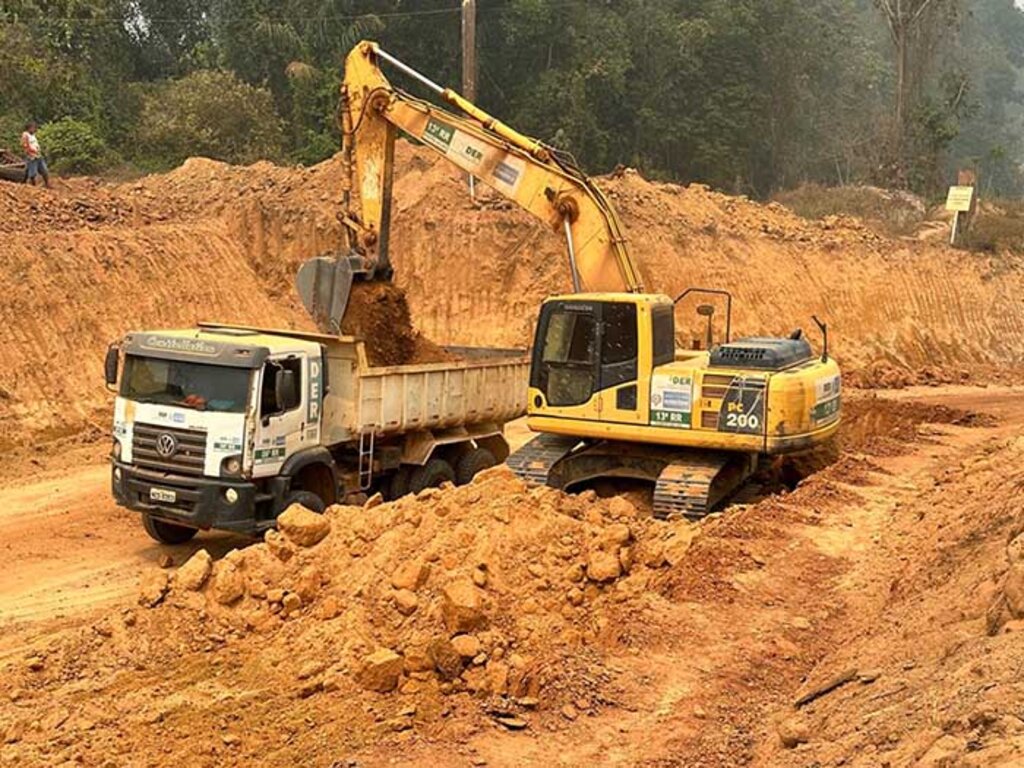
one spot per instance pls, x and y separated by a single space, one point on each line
188 385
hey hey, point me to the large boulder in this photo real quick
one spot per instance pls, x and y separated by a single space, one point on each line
462 607
193 574
303 527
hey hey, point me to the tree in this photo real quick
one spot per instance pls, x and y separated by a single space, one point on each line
208 113
902 18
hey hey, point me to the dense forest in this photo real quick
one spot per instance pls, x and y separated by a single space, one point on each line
750 96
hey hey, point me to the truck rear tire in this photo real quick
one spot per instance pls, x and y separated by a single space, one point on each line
473 462
431 475
307 499
398 484
166 533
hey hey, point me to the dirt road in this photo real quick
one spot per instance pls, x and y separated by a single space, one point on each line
72 550
700 667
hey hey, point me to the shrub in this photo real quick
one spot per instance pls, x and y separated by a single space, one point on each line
72 146
208 113
892 212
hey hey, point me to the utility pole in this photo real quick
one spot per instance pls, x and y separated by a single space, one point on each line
469 49
469 63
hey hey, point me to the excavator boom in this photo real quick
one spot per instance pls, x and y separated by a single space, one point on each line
536 177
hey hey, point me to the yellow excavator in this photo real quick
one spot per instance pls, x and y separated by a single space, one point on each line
609 392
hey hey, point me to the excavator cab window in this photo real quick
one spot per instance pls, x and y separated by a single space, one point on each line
565 359
582 348
663 334
618 343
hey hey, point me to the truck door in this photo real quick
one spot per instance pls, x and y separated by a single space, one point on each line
283 412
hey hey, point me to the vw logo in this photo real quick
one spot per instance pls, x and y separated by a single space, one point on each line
166 444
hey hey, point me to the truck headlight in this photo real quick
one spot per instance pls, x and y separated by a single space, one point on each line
231 495
115 451
231 466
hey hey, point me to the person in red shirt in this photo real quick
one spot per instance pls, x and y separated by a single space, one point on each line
34 160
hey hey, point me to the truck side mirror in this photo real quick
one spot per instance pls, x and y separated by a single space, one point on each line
286 389
110 364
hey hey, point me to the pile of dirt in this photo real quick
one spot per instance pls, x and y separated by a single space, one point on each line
378 313
490 589
459 609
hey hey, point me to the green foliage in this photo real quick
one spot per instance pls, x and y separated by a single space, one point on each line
72 146
747 95
208 113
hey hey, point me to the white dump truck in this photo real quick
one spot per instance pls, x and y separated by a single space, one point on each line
225 426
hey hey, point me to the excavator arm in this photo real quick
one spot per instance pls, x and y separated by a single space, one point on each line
536 177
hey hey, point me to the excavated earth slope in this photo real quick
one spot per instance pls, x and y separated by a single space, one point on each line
81 265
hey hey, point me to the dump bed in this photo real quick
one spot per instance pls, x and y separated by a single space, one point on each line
479 386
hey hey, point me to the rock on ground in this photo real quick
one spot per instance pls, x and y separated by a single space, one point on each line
303 527
193 574
153 588
380 671
462 607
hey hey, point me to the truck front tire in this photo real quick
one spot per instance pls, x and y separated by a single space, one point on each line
166 533
473 462
307 499
431 475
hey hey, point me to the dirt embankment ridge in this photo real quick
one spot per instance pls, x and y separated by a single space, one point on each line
894 304
85 263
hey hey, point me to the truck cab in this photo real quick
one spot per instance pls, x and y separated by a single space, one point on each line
205 422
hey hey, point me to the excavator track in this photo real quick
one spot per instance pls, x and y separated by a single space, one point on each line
693 483
686 483
534 461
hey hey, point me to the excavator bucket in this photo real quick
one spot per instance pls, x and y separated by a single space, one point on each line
324 285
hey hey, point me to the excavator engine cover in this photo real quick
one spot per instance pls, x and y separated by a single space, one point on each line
761 353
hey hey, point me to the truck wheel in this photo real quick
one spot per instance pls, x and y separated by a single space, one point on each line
431 475
473 462
307 499
398 483
166 533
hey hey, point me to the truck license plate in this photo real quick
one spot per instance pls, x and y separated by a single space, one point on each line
159 494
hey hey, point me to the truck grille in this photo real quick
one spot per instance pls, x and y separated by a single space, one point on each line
189 455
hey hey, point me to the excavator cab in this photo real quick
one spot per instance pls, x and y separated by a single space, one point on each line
589 352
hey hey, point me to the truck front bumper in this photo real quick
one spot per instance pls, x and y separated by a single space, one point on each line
196 502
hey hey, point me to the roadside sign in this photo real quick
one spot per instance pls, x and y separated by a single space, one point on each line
959 199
